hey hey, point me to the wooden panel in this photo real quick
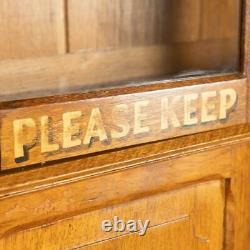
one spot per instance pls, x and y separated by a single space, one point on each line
124 41
136 23
119 23
183 211
209 225
48 201
86 229
77 72
47 132
238 220
181 234
31 28
116 23
225 24
183 20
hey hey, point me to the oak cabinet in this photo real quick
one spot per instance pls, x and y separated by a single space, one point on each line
130 112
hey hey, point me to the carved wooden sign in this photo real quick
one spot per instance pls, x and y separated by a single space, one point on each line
49 132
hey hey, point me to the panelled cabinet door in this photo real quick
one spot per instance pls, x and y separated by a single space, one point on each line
186 219
196 223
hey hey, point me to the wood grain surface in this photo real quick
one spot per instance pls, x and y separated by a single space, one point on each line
187 203
47 202
48 132
30 29
194 187
57 47
76 73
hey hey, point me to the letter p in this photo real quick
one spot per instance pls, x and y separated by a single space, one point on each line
228 99
24 135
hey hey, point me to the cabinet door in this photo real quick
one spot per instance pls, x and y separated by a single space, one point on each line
189 218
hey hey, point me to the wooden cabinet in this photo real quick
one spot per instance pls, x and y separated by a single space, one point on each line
124 125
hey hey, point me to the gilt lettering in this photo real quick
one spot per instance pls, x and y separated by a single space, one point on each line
83 129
